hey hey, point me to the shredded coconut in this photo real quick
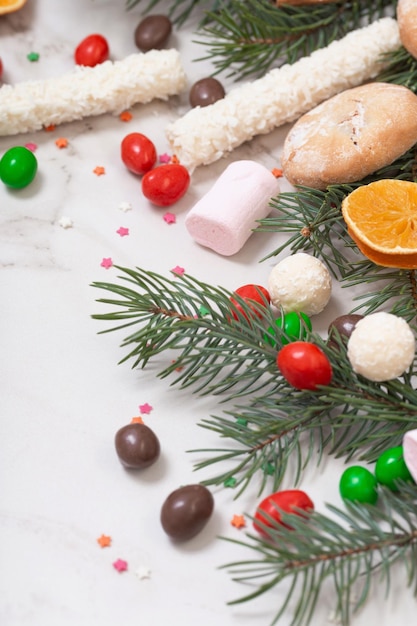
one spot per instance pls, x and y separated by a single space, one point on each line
205 134
106 88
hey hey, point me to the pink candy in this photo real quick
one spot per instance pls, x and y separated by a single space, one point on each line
225 217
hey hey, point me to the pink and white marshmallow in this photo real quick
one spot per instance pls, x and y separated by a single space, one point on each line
227 214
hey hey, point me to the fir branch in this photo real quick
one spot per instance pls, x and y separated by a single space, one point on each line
401 69
352 549
248 38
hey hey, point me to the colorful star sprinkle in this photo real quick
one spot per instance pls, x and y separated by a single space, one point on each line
175 159
143 572
169 218
230 482
178 270
145 408
122 231
61 142
107 263
50 128
120 565
31 146
66 222
136 420
125 207
238 521
164 158
99 170
125 116
33 56
104 541
277 172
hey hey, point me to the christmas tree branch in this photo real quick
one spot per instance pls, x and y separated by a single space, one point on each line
351 549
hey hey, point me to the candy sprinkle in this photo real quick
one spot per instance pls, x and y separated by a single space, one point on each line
125 116
277 172
61 142
120 565
33 56
31 146
169 218
164 158
104 541
122 231
178 270
99 170
107 263
145 408
125 207
136 420
238 521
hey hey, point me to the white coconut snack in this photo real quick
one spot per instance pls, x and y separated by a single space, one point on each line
381 347
410 452
205 134
110 87
300 283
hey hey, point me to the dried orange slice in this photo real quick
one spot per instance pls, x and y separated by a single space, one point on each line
382 220
8 6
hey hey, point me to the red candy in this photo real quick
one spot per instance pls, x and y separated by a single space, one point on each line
138 153
269 511
304 365
166 184
92 50
250 293
1 69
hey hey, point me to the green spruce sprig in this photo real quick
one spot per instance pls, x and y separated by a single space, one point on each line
351 550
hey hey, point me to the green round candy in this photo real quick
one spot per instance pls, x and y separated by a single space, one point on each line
18 167
358 484
391 467
293 324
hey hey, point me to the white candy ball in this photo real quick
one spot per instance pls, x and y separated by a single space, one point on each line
381 347
300 282
410 452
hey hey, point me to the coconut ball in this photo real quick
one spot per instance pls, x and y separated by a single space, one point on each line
410 452
300 282
381 347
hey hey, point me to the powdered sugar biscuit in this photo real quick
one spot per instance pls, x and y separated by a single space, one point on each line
351 135
407 24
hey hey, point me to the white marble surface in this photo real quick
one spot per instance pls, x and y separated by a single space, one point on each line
63 395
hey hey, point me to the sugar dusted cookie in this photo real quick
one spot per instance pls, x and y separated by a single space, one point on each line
407 24
351 135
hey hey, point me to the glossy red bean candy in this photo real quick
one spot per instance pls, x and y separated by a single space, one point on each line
250 293
138 153
166 184
268 513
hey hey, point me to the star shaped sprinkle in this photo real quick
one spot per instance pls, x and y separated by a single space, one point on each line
99 170
178 270
120 565
61 142
203 311
125 116
230 482
277 172
175 159
125 206
145 408
238 521
33 56
169 218
31 146
122 231
66 222
143 572
164 158
106 263
136 420
104 541
50 128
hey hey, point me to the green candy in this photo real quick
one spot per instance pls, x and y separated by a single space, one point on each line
18 167
294 325
358 484
390 467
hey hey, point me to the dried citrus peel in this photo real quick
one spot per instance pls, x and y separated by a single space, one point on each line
8 6
382 220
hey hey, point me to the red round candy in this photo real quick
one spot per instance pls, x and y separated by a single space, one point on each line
166 184
250 293
1 69
268 513
138 153
304 365
92 50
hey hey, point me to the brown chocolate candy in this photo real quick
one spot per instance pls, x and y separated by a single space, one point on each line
344 325
186 511
206 91
153 32
137 446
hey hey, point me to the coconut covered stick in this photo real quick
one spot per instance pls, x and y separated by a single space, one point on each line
205 134
106 88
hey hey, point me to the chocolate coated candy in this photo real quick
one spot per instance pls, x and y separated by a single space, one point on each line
137 446
344 324
206 91
153 32
186 511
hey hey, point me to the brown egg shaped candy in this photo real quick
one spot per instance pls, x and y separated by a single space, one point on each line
206 91
153 32
137 446
186 511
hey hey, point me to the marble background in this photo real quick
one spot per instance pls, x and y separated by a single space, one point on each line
63 394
